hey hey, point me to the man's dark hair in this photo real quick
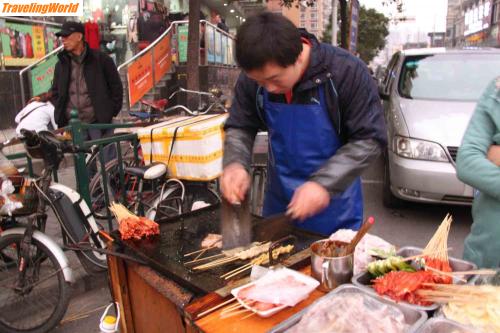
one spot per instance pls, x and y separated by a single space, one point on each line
265 38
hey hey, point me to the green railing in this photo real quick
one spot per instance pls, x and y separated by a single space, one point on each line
78 130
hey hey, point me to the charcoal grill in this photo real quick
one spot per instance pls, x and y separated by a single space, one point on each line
183 234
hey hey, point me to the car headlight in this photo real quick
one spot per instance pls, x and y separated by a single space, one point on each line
419 149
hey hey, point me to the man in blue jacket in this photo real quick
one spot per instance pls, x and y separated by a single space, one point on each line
324 118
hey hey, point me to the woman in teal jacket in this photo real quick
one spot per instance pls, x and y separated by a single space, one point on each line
478 164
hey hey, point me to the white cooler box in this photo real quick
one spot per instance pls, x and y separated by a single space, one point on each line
190 146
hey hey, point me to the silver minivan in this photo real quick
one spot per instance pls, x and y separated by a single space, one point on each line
429 96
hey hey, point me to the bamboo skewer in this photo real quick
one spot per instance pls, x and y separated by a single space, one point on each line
423 255
476 272
216 307
201 250
235 270
231 308
235 313
205 258
248 316
437 271
239 271
200 254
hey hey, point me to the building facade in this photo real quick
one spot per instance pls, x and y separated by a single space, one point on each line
472 23
315 18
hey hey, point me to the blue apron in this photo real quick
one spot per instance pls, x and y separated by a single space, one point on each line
301 139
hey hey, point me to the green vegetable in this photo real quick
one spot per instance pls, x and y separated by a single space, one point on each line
393 263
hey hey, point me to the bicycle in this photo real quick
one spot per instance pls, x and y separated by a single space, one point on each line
34 271
153 195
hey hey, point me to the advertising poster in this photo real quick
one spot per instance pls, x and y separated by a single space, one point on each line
22 44
52 42
182 33
163 58
224 50
218 47
42 75
210 43
140 78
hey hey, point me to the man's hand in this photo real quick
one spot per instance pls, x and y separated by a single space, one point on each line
494 154
234 183
308 200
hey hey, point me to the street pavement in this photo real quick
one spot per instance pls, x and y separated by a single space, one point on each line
412 225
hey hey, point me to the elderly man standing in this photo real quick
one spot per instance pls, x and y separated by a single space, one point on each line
86 80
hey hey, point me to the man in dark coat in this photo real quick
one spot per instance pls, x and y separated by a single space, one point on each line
324 119
85 80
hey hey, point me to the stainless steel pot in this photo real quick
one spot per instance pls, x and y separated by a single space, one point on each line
331 272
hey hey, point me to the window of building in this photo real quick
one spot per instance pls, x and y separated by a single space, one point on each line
494 13
313 15
302 16
314 25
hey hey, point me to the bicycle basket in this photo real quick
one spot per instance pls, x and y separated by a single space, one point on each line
28 196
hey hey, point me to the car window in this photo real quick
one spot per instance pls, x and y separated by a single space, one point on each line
390 71
448 76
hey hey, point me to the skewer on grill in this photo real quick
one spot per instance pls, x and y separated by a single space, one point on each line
201 250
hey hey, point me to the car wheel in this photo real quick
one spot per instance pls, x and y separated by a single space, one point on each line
388 199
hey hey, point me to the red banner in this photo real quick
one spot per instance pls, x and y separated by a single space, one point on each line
140 78
163 58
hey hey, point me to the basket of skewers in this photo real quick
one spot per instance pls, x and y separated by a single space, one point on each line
132 226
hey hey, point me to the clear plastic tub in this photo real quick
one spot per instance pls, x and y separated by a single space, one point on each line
412 317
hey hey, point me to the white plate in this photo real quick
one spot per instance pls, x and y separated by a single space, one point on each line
267 313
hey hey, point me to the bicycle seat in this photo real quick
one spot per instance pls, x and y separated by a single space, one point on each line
148 172
158 104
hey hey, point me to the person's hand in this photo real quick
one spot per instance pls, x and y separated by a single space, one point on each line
308 200
494 154
234 183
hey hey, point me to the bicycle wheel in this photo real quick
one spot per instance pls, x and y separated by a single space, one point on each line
97 194
42 302
171 203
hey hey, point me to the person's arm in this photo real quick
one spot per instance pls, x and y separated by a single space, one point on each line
240 130
366 132
114 83
242 124
473 166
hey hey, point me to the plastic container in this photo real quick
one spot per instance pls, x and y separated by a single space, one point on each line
414 318
190 146
362 280
442 325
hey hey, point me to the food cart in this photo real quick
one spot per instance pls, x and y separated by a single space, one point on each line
157 292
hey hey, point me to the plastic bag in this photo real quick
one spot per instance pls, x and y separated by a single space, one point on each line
282 286
362 255
8 206
351 312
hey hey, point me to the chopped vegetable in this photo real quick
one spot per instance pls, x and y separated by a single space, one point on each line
394 263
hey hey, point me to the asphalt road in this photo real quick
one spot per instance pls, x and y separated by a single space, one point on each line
412 225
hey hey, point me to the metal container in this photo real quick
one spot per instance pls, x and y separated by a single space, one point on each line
331 272
363 279
413 317
442 325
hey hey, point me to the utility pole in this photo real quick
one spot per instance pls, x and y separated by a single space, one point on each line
193 53
334 22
